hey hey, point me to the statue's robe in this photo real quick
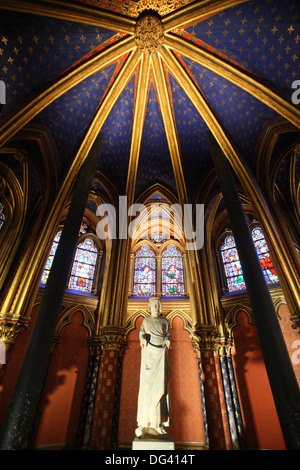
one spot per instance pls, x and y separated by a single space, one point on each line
153 401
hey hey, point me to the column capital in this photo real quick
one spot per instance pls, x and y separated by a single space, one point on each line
205 336
113 338
223 347
11 327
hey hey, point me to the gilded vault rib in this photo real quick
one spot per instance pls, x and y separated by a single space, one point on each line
235 75
137 129
123 254
196 11
174 148
170 128
239 167
62 197
72 12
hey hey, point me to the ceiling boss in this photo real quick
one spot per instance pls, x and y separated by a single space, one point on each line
149 33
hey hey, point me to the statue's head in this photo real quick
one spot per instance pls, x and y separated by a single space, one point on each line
155 305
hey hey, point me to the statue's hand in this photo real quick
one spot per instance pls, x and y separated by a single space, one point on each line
143 342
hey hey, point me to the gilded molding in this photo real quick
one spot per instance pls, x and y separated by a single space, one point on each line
293 177
197 11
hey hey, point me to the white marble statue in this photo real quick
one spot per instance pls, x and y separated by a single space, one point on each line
154 414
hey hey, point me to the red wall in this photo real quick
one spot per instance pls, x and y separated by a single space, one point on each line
59 410
184 387
11 369
262 428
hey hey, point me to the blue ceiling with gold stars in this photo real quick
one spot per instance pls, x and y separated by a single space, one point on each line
260 37
35 50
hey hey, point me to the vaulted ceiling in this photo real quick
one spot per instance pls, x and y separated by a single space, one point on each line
76 67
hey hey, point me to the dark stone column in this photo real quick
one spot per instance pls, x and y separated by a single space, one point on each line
279 368
88 402
19 420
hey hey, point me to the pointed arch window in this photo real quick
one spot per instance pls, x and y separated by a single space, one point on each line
84 265
172 272
232 266
51 257
158 270
145 272
264 256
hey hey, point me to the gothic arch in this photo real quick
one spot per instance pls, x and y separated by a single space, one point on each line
13 197
231 320
186 320
131 321
66 319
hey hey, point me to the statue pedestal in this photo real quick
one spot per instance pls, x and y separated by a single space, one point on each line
153 444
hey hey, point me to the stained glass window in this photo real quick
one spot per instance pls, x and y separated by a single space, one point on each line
264 256
232 265
83 228
83 270
50 258
144 272
158 238
172 272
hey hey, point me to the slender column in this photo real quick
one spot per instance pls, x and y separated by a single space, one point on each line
196 348
206 336
106 411
88 402
224 413
159 271
228 399
280 371
19 421
235 401
98 269
131 283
